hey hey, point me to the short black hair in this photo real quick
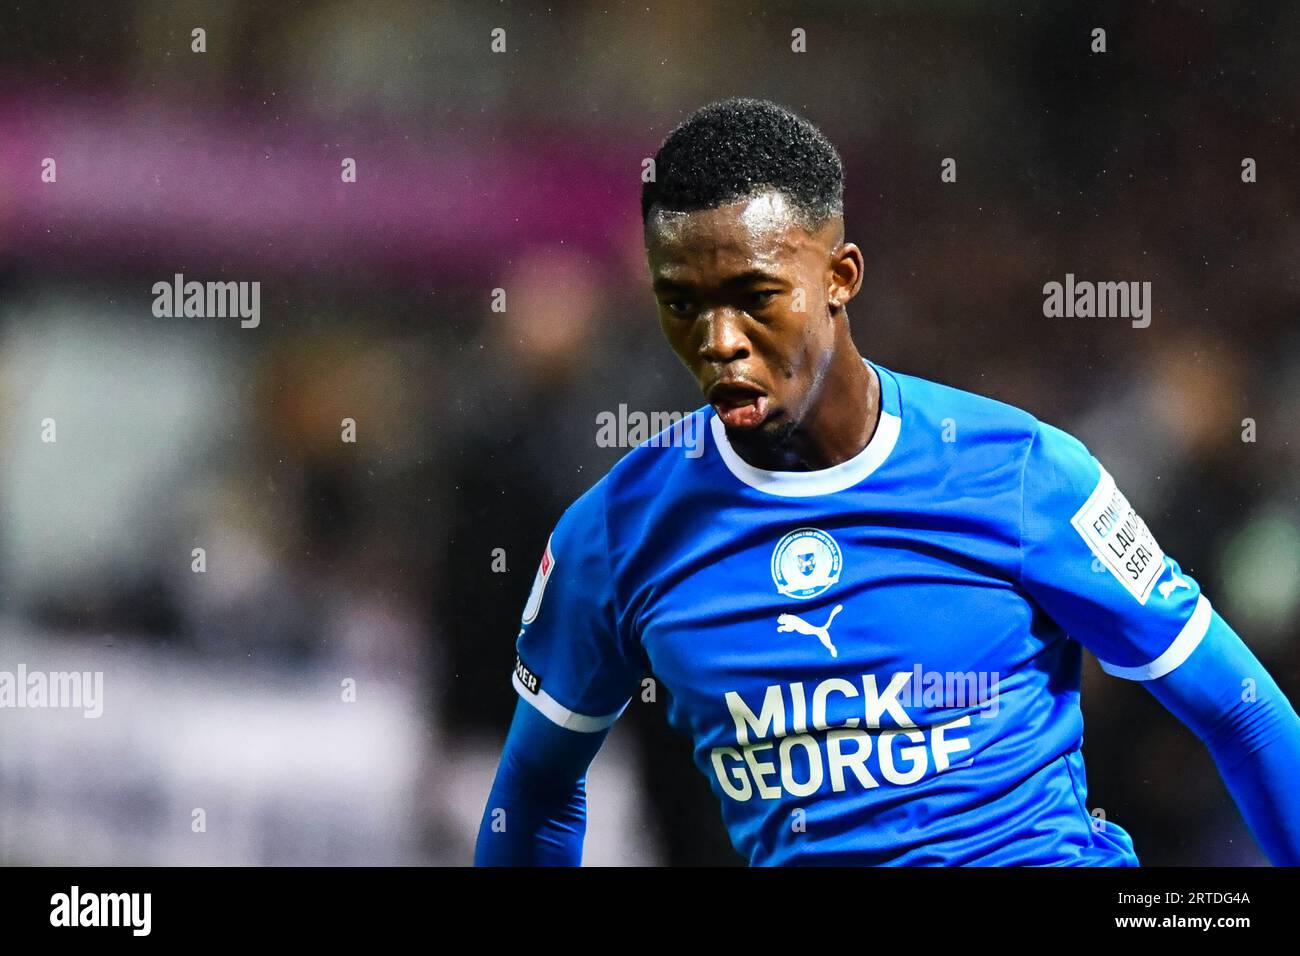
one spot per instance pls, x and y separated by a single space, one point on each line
733 149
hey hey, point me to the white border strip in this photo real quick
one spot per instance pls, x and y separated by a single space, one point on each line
557 713
1188 638
806 484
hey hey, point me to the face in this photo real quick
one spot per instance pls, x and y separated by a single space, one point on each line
753 304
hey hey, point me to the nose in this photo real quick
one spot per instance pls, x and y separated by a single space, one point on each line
724 338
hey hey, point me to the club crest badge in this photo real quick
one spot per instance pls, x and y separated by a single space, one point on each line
805 563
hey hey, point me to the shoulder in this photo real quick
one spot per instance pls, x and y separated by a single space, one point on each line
665 463
927 403
668 460
982 444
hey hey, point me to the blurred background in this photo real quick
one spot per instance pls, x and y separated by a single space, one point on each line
373 564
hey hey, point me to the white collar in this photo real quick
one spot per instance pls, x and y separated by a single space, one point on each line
826 481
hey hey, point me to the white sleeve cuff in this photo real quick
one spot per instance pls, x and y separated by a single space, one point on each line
1188 638
561 715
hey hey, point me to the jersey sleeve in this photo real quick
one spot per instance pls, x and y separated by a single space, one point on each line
571 663
1090 561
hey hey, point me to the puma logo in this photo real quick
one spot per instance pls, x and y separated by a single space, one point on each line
793 622
1168 587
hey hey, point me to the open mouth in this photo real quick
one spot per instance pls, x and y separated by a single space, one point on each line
739 404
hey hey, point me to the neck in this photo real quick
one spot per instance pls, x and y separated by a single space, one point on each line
837 427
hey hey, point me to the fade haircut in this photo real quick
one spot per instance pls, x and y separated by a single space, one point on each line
734 149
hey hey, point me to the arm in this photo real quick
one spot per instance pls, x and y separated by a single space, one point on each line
574 675
1224 695
536 813
1091 562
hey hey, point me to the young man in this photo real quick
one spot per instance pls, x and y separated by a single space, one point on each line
870 594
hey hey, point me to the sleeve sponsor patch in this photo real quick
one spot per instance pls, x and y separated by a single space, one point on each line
539 584
1119 538
532 682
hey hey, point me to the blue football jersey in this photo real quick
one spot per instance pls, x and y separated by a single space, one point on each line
878 662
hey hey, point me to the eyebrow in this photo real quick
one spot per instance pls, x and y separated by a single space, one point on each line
748 277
